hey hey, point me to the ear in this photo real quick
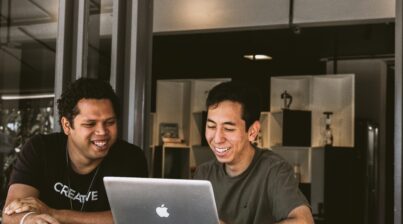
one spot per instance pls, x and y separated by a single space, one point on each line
65 125
253 130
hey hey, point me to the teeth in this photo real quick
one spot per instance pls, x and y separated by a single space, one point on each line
221 150
99 143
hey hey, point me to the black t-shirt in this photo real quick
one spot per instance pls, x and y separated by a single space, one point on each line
42 163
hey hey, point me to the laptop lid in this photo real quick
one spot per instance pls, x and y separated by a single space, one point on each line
153 201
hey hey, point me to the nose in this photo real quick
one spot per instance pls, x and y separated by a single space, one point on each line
219 136
101 129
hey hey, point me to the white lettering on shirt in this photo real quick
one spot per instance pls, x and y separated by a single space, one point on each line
68 192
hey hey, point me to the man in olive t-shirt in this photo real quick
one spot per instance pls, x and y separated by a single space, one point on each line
251 185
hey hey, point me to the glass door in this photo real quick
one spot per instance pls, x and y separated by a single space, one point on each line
99 39
28 30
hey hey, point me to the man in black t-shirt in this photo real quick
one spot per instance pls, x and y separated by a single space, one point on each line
58 178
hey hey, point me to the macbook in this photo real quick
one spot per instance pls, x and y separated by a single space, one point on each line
153 201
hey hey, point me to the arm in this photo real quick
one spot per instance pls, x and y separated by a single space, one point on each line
69 216
23 198
13 213
299 215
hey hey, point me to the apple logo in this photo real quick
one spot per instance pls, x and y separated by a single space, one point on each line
162 211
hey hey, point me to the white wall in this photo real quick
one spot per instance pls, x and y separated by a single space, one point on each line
185 15
203 15
340 11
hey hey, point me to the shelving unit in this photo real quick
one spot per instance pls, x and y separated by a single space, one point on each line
297 156
334 93
291 128
314 95
318 94
310 161
171 160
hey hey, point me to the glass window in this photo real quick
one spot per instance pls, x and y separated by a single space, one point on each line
99 39
28 30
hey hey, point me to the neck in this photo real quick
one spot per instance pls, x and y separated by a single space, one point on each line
240 166
83 169
80 164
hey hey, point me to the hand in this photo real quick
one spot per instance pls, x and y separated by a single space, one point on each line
40 219
29 204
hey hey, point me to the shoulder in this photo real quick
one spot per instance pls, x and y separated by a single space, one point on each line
125 159
48 138
271 165
123 147
46 142
124 151
40 155
270 158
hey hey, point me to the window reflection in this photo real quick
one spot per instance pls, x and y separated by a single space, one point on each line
28 30
99 39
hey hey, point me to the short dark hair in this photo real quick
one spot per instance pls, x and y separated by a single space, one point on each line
85 88
248 97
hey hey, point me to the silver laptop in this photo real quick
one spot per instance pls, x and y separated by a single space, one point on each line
153 201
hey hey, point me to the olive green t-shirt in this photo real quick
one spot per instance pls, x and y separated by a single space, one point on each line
266 192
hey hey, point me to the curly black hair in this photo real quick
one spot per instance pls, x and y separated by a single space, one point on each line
238 92
85 88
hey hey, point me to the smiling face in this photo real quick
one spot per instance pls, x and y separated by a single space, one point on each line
227 135
93 133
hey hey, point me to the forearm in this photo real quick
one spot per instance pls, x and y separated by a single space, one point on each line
293 221
67 217
300 215
73 217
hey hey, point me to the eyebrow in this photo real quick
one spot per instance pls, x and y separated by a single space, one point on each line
111 118
209 120
94 120
225 123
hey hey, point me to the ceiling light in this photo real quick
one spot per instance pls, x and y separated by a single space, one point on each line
29 96
256 57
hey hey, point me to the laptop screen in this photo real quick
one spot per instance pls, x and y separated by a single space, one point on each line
153 200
